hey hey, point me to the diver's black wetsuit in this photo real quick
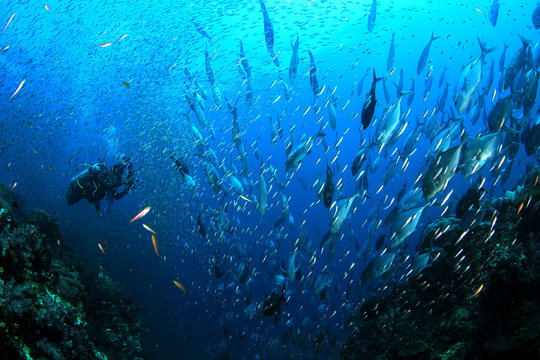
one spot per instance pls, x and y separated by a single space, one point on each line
98 182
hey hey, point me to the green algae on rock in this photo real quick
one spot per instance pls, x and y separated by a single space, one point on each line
50 306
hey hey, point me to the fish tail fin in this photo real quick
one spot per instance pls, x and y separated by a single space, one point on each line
401 93
524 41
375 78
420 123
399 88
483 47
360 192
510 130
295 44
433 37
372 141
320 133
455 117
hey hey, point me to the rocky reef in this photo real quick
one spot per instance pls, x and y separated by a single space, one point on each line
478 299
51 307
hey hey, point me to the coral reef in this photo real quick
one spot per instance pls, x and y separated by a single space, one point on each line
50 306
480 298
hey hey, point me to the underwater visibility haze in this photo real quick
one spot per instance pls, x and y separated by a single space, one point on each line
274 179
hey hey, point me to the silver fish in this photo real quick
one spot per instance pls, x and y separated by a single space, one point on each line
469 79
332 112
293 67
201 31
477 152
328 189
389 123
516 64
322 282
208 65
263 195
440 171
536 17
425 54
269 33
502 58
404 225
359 159
529 96
500 114
342 207
493 11
300 152
313 76
372 16
391 54
377 267
291 268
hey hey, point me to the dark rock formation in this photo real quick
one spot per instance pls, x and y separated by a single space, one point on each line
480 299
50 306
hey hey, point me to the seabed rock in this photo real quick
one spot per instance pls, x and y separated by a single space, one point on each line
50 306
479 300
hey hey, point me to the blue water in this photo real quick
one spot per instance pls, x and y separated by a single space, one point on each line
74 110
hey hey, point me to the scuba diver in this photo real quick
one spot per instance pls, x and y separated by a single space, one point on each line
99 182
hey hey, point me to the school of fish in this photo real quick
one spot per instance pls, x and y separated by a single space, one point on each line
375 150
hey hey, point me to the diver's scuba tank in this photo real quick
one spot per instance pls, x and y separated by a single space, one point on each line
82 183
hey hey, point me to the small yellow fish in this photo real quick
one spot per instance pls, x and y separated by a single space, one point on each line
11 18
140 214
245 198
18 89
478 290
154 242
120 38
101 248
149 229
13 186
520 208
180 286
47 7
127 85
